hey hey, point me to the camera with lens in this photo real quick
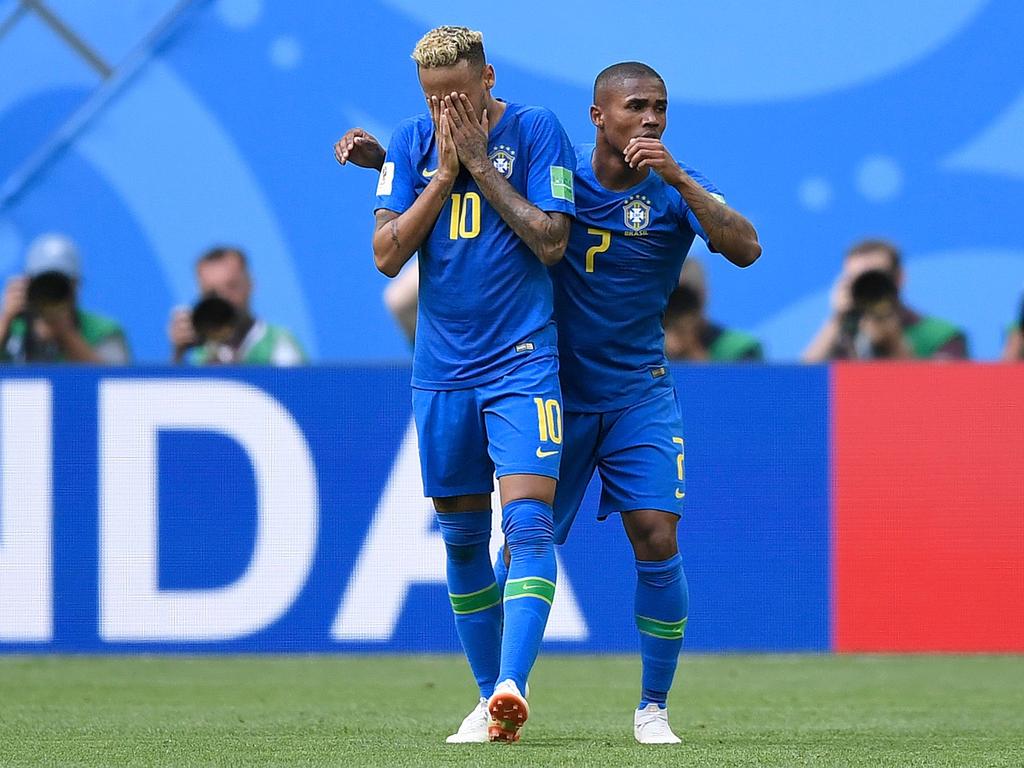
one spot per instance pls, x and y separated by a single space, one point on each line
47 289
214 319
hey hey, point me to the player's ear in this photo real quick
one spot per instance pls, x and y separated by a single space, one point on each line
488 76
595 116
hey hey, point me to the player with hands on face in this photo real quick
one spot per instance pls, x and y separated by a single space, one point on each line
482 190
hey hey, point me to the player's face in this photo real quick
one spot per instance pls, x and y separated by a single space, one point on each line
462 77
634 108
228 278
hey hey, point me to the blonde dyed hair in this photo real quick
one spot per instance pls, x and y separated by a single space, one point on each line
445 46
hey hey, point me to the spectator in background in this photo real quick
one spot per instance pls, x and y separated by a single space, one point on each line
930 337
880 334
1013 350
401 297
40 320
221 329
689 335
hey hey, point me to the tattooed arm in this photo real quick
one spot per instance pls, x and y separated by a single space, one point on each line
398 236
729 231
545 233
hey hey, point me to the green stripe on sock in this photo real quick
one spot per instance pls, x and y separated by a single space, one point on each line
480 600
666 630
531 586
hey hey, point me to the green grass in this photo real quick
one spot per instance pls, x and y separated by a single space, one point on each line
395 711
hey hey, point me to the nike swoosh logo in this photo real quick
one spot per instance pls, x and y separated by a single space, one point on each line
544 454
427 174
680 494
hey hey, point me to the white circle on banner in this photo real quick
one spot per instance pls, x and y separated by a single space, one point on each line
239 14
815 193
879 178
286 52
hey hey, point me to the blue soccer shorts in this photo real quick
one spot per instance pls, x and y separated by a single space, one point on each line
509 426
637 451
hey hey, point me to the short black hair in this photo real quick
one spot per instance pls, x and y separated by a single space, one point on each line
868 245
684 300
872 287
1020 321
221 251
624 70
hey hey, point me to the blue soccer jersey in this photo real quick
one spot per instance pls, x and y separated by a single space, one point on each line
611 289
485 298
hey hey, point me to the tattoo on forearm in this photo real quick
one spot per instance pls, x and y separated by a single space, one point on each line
526 220
394 234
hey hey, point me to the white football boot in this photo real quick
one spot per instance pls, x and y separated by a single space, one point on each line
650 726
474 728
508 710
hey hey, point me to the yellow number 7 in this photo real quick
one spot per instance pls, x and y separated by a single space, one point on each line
601 247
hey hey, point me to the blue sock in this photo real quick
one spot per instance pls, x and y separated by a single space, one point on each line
500 570
662 602
530 588
475 598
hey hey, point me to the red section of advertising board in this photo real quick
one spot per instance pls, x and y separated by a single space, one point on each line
928 516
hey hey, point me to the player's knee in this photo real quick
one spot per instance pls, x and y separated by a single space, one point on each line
527 522
464 533
656 544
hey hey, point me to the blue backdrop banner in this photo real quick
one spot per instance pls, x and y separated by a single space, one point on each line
282 511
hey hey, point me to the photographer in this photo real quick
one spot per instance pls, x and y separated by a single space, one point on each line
931 337
40 321
220 329
1013 349
690 335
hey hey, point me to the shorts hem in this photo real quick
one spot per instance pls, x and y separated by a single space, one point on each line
657 506
463 491
553 474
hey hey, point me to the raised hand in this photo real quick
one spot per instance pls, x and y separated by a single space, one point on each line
447 155
359 148
469 133
651 153
15 298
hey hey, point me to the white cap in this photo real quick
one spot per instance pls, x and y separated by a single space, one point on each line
53 253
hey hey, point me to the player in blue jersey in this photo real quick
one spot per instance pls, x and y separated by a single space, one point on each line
638 212
483 189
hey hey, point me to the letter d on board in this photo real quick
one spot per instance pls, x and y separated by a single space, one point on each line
133 412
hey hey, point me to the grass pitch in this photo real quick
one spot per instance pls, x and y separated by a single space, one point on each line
395 711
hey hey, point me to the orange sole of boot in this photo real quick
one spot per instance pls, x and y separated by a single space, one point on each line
508 713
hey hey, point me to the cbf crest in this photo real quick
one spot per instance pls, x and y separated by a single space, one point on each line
503 158
636 213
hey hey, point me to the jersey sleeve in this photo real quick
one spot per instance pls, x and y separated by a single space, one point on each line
685 211
395 185
550 184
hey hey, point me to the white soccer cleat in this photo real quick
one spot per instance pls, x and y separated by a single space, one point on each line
650 726
474 728
508 710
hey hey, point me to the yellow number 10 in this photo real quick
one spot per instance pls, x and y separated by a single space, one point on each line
549 420
679 458
465 221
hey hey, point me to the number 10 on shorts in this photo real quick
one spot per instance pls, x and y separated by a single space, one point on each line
549 420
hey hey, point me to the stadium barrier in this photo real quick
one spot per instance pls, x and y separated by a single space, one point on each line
252 510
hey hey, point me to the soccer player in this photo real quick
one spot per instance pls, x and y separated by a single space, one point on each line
637 213
483 189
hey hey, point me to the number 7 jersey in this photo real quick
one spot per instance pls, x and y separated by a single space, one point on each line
623 261
485 298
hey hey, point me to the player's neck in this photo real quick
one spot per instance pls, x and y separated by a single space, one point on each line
495 111
611 169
